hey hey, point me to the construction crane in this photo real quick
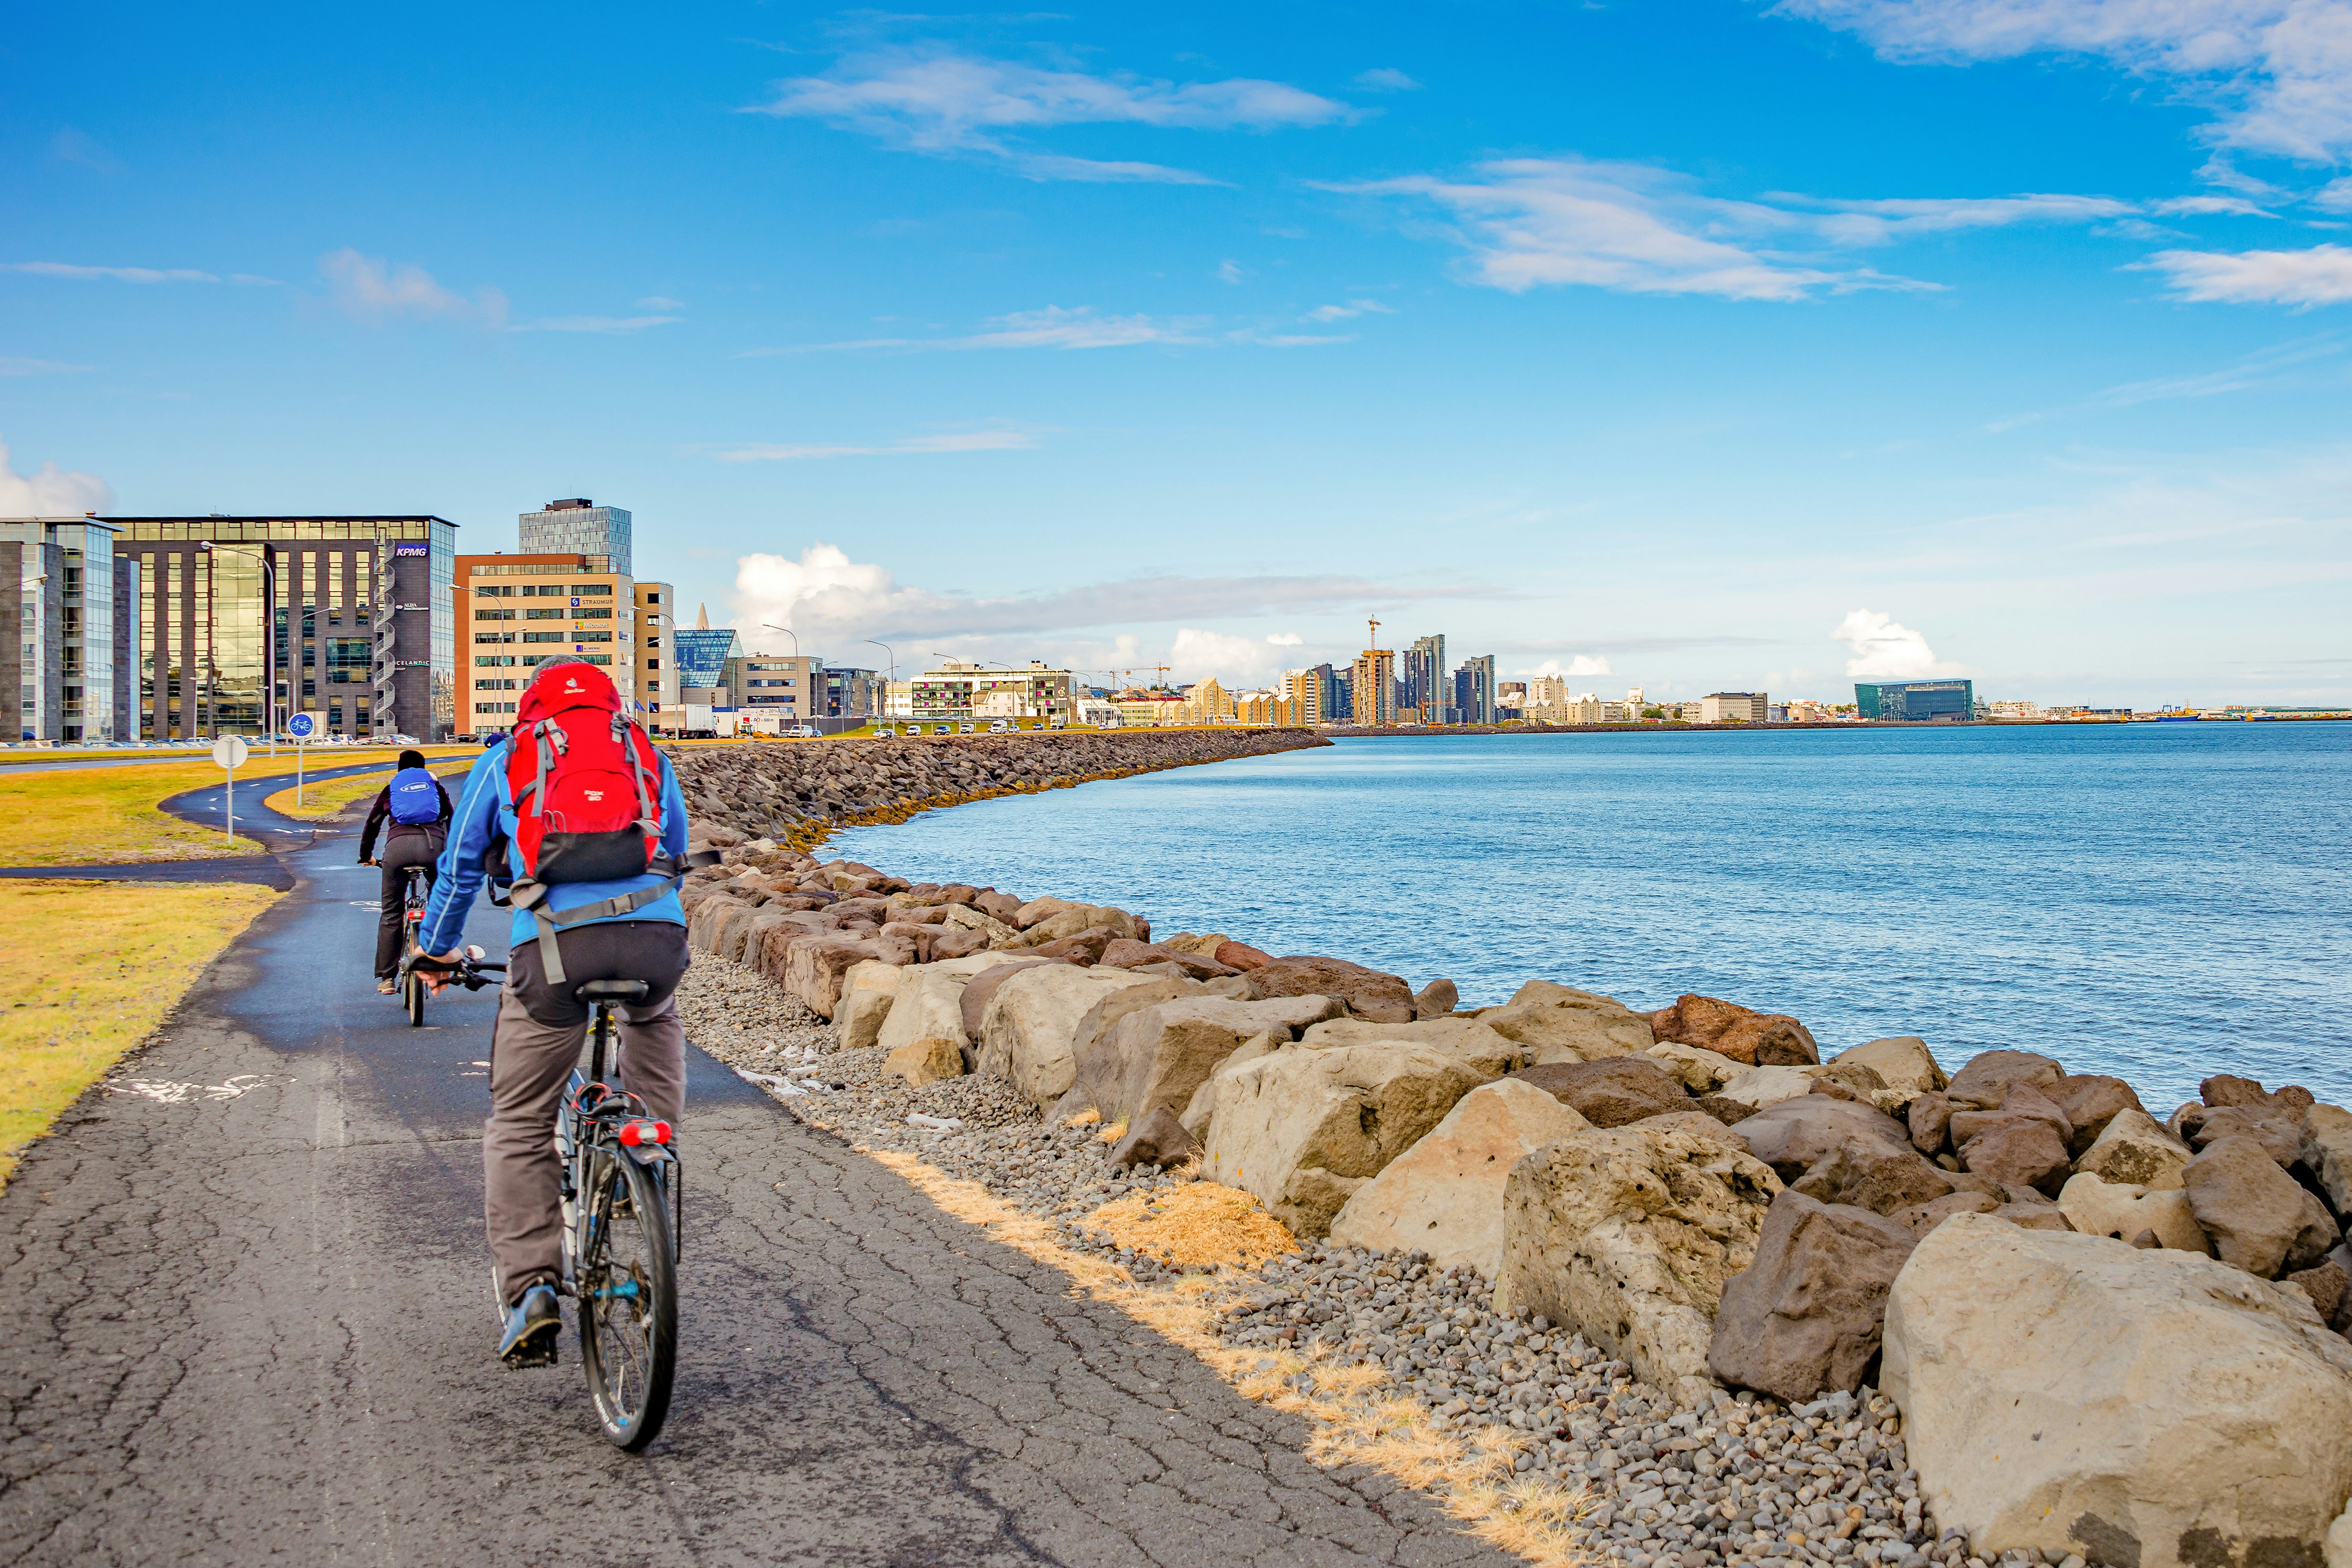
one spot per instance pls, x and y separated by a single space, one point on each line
1164 674
1373 639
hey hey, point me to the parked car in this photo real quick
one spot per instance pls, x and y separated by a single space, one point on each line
801 732
942 729
886 733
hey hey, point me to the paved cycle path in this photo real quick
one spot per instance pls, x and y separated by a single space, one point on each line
244 1318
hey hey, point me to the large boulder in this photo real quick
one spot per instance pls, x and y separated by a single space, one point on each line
1631 1235
1445 1194
2280 1132
868 990
2091 1102
1806 1314
1795 1135
928 1061
2127 1212
1028 1033
2327 1152
1928 1119
1302 1129
1071 919
1872 1174
1157 1057
811 964
1126 953
929 1003
1369 993
973 1003
1757 1087
1466 1040
2261 1219
1697 1068
1985 1080
1095 1026
1562 1024
1611 1092
1902 1062
2020 1144
2070 1394
1758 1040
2134 1150
1155 1138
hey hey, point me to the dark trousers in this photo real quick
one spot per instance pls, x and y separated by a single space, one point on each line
402 850
534 1046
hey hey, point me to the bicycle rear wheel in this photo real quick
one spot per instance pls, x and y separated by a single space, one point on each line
628 1303
415 1000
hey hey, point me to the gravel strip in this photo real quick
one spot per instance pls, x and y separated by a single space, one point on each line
1741 1478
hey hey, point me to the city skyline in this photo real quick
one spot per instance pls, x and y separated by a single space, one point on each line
1693 346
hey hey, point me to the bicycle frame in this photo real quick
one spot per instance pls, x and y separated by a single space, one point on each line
588 1130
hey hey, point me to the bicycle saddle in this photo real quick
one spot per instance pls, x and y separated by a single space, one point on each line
618 990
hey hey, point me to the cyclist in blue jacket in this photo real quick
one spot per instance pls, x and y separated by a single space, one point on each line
413 811
537 1039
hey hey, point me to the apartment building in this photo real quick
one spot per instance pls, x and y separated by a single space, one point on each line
1734 708
1372 685
961 691
657 664
791 685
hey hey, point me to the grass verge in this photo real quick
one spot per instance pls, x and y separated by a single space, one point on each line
1352 1420
116 957
99 816
330 796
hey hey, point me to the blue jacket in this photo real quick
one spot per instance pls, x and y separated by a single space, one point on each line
485 813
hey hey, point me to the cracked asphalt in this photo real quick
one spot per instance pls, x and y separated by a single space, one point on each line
244 1318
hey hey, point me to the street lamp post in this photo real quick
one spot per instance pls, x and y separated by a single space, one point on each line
270 638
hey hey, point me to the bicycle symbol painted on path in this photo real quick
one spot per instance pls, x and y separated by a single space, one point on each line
165 1093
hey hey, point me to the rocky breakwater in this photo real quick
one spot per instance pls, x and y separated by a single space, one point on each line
1762 1304
796 791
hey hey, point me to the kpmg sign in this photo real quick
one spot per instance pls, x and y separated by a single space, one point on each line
411 550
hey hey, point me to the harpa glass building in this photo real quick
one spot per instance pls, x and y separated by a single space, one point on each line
1916 702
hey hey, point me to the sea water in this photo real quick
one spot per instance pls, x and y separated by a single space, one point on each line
2160 901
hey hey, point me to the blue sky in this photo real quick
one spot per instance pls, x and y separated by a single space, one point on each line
1699 344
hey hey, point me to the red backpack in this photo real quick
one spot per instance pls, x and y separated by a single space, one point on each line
586 786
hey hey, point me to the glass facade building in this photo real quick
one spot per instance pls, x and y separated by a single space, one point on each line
702 653
63 637
244 621
1916 702
578 527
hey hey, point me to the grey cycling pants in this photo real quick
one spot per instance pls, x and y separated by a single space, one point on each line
534 1046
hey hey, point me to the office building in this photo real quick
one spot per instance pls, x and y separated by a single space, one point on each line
1474 690
791 685
968 692
701 654
1734 708
1302 697
520 609
578 527
853 696
1422 683
657 668
1916 702
244 621
1371 686
68 632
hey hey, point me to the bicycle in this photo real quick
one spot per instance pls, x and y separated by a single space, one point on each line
623 1210
419 976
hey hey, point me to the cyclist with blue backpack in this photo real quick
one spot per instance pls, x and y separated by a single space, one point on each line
414 812
589 820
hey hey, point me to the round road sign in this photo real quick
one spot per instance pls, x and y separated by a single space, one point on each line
302 726
229 751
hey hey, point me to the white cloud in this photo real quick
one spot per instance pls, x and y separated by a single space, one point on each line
2319 275
72 146
1884 648
50 492
1230 271
594 324
660 302
1887 221
1266 340
938 101
2278 72
1582 663
1352 308
2199 205
2336 196
1284 640
1234 660
1386 78
963 441
1054 327
11 365
118 273
830 599
369 289
1626 226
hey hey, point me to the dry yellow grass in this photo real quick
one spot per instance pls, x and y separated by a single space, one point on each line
99 816
1198 1224
99 964
1471 1477
327 797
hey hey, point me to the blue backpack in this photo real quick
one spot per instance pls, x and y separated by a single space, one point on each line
416 798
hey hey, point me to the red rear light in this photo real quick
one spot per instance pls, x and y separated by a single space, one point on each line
661 1132
637 1133
632 1134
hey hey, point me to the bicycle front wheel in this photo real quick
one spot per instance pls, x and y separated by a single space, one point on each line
628 1303
415 1000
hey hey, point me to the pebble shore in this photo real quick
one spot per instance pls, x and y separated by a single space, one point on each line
1740 1478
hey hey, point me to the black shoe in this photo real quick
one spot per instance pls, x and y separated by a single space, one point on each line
533 1326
